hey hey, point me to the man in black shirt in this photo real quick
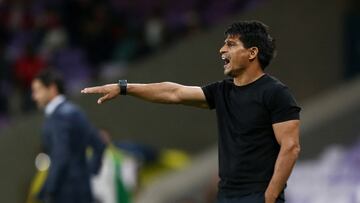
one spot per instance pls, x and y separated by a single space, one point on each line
258 118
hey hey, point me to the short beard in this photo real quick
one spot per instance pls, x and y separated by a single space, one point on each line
234 73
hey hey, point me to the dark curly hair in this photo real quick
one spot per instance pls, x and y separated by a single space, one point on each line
255 34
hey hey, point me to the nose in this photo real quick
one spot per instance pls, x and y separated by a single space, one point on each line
222 50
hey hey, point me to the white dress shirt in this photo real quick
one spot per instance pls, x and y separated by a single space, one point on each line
53 104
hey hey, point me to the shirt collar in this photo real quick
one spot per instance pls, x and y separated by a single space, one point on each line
53 104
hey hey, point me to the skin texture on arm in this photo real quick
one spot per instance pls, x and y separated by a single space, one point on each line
164 92
287 135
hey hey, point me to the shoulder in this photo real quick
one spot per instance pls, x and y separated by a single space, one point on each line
67 110
218 84
273 85
274 90
222 82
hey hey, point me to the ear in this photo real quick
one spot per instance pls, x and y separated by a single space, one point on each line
253 52
53 88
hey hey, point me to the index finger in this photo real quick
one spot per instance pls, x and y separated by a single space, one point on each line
96 90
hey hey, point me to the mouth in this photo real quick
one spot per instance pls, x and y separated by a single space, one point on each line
226 60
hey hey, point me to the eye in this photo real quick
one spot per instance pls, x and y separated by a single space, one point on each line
230 44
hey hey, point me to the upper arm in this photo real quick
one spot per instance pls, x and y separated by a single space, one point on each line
285 116
282 105
287 133
192 96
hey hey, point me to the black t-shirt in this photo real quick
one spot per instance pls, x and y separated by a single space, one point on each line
247 145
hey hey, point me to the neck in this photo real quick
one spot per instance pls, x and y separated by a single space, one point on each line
52 97
249 75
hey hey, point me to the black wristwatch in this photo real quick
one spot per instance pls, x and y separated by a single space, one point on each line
123 87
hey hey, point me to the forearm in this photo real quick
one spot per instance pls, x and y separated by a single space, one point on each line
283 167
164 92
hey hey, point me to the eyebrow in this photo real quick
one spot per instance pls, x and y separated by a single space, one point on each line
229 40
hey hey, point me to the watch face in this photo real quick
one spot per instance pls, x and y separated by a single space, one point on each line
123 86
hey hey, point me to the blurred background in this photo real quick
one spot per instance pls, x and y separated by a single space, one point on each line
93 42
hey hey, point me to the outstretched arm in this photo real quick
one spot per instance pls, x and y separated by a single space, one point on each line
164 92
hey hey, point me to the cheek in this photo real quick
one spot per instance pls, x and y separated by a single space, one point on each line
39 96
44 97
240 57
236 60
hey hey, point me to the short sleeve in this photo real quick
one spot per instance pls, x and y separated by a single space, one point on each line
210 92
283 106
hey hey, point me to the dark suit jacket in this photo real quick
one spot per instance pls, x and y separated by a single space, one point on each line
66 135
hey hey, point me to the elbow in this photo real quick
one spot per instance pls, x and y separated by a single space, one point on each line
296 151
174 95
293 149
175 98
163 92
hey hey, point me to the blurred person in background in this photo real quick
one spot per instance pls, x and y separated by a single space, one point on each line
66 135
258 118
